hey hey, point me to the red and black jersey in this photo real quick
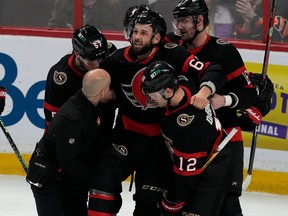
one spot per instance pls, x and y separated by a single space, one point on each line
191 136
237 80
63 81
126 74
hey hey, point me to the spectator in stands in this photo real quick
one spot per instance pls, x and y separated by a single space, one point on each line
221 15
102 13
250 26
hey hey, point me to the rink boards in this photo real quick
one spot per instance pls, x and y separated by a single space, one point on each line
24 64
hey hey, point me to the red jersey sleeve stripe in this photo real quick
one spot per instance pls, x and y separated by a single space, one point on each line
235 73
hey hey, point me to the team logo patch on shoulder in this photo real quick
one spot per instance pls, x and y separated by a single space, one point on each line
184 119
59 78
170 45
222 41
121 149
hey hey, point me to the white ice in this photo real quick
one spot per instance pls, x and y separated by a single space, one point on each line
16 199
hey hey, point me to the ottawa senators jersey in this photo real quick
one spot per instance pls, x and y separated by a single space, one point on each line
191 136
63 81
126 74
237 80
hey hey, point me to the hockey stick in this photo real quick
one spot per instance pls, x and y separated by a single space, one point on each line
13 145
221 146
248 178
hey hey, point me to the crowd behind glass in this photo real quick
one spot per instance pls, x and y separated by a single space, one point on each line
234 19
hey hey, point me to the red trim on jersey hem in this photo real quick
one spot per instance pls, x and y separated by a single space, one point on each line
189 155
102 197
145 129
50 107
96 213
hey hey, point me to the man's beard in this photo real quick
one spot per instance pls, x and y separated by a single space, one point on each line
145 49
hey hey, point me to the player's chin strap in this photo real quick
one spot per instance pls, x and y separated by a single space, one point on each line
163 95
195 22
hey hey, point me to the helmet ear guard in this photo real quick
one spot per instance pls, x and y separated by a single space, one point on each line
90 43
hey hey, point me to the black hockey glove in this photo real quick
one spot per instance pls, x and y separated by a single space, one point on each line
167 208
252 117
265 90
2 98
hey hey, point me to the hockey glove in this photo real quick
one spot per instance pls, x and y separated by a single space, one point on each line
2 98
167 208
250 119
265 90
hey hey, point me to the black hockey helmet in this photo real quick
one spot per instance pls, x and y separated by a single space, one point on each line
130 15
157 76
90 43
152 18
132 12
192 8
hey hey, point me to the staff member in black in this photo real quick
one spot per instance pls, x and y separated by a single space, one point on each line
68 149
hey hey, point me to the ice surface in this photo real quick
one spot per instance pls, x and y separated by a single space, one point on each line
16 199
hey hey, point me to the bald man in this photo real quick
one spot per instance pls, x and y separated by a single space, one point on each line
61 163
95 86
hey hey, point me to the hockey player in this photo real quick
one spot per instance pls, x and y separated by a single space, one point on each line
191 20
137 144
90 48
191 135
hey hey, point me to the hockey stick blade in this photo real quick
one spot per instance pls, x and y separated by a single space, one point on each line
221 146
13 145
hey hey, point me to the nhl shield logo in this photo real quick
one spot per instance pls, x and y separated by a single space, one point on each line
184 119
59 78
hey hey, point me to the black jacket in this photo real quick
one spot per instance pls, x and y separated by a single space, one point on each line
73 140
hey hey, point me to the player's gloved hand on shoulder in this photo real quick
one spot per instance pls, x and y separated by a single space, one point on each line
250 118
168 208
2 98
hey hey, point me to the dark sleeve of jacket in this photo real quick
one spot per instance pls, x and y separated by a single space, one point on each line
70 149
